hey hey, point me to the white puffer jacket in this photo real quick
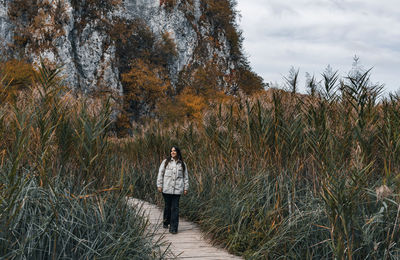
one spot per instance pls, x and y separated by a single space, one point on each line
172 179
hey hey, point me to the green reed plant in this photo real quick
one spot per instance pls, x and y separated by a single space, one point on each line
92 135
46 115
343 193
390 138
362 96
52 223
61 192
286 175
381 231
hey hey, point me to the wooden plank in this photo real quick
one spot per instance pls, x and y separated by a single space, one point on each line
189 243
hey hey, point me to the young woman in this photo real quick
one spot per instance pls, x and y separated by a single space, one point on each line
172 181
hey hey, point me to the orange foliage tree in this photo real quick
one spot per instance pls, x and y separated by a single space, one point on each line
249 82
145 85
198 90
166 50
15 75
222 15
192 106
18 73
36 24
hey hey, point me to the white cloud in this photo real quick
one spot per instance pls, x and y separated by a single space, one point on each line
310 34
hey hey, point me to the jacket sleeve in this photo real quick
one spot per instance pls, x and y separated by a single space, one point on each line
186 179
160 177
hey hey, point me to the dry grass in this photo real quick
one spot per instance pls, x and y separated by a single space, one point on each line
285 175
58 195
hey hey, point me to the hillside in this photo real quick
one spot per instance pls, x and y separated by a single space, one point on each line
168 45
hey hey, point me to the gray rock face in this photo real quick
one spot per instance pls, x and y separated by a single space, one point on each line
175 23
5 26
89 57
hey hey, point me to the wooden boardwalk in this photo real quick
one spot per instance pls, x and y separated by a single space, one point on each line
188 243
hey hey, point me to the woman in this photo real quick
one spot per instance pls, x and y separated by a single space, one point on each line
172 181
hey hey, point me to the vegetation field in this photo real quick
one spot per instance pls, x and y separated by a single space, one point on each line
284 175
61 194
273 175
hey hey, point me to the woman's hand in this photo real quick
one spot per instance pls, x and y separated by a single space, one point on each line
159 189
185 192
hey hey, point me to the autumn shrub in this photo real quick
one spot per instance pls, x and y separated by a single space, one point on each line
167 52
92 10
36 25
145 85
15 76
221 11
222 15
168 4
249 82
18 73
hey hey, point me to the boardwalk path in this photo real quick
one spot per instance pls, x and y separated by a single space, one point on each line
188 243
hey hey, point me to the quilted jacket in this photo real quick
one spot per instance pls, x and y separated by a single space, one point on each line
171 178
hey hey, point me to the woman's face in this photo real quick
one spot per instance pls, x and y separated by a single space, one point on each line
173 153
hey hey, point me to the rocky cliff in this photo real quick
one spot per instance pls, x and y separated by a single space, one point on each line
97 40
5 26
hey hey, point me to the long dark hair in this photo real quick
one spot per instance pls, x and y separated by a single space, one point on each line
179 155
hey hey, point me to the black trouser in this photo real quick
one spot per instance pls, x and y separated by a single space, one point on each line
171 211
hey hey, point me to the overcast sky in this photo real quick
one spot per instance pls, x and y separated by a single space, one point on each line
310 34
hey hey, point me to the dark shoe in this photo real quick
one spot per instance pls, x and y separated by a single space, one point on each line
165 225
173 232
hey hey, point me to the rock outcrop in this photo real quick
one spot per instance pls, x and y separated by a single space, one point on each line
5 26
93 39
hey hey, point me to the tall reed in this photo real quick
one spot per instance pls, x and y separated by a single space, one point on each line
61 192
285 175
